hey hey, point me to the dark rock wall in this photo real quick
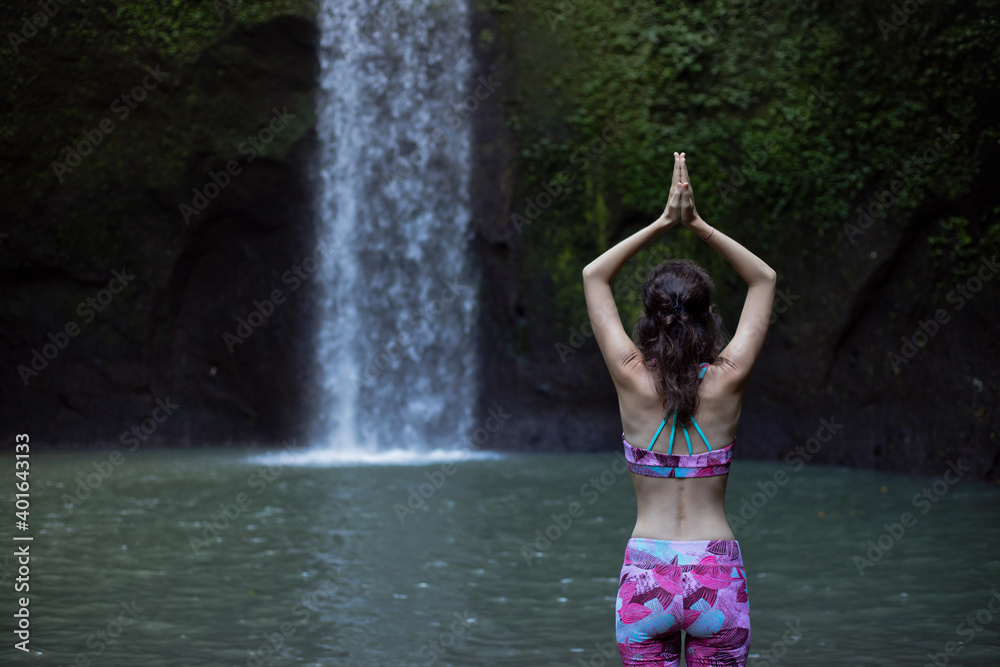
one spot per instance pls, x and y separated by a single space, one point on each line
793 117
723 86
152 343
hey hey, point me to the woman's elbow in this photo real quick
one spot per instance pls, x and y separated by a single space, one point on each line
765 274
766 278
594 273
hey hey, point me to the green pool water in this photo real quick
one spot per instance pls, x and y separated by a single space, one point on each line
224 557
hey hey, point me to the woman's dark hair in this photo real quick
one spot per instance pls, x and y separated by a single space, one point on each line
678 331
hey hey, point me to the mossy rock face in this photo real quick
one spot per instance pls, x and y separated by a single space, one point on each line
117 118
800 122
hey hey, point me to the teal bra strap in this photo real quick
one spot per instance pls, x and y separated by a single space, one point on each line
673 428
662 423
701 434
686 437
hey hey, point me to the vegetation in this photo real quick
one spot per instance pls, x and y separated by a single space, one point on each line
793 115
86 63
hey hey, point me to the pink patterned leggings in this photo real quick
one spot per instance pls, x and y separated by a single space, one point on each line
698 586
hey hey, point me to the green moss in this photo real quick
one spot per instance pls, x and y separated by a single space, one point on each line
88 63
792 115
180 30
954 249
116 207
486 39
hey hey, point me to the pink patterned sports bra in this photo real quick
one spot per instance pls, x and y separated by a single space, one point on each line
656 464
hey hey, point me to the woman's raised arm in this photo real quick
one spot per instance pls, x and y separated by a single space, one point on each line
746 343
617 348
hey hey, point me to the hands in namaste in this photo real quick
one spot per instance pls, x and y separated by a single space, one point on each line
680 202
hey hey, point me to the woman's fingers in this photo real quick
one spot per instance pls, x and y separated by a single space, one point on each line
675 178
688 212
684 170
685 191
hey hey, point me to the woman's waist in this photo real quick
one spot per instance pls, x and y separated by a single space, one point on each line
685 553
701 525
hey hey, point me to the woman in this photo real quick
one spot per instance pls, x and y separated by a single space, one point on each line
683 567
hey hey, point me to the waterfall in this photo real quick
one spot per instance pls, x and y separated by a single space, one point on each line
396 347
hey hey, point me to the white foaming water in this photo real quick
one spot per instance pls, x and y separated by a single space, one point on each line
328 456
396 347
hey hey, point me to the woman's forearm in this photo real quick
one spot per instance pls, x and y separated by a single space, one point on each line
605 267
750 267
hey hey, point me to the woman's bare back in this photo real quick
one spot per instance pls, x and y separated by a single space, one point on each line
678 508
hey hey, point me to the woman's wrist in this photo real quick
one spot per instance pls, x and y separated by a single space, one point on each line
701 228
664 223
